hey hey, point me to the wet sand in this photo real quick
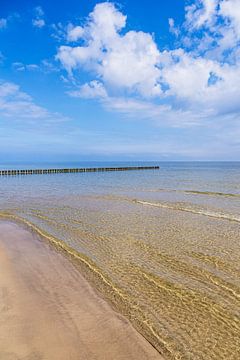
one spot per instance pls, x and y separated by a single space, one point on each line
48 311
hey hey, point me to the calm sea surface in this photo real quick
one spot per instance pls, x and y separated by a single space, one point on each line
163 246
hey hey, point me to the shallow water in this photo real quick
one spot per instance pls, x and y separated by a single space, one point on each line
163 246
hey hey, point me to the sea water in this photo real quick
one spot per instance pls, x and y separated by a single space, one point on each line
163 246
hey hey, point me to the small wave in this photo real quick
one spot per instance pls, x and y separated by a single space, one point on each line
211 193
204 212
195 192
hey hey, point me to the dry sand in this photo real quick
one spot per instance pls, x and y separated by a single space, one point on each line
48 311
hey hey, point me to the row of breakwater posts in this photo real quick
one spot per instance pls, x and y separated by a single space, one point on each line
73 170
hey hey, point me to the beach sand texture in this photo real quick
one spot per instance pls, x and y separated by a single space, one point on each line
48 311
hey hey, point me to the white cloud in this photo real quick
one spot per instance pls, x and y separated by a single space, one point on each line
32 67
38 23
45 66
220 20
39 11
200 83
194 84
230 9
126 62
3 23
74 33
91 90
59 31
18 66
172 28
201 13
16 104
38 20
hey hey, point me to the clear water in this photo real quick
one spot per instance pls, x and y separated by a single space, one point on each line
162 245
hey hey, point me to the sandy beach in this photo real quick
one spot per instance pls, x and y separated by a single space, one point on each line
48 311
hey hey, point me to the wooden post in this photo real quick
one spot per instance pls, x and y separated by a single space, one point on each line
74 170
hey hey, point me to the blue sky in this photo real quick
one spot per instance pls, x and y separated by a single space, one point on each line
98 80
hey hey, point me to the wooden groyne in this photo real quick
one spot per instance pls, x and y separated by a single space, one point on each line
73 170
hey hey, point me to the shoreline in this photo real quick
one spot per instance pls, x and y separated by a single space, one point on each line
50 311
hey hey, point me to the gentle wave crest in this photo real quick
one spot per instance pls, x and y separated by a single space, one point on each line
204 212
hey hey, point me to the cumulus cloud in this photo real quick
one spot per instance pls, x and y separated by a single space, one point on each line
201 13
127 62
91 90
17 104
196 82
200 82
74 33
230 10
218 21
